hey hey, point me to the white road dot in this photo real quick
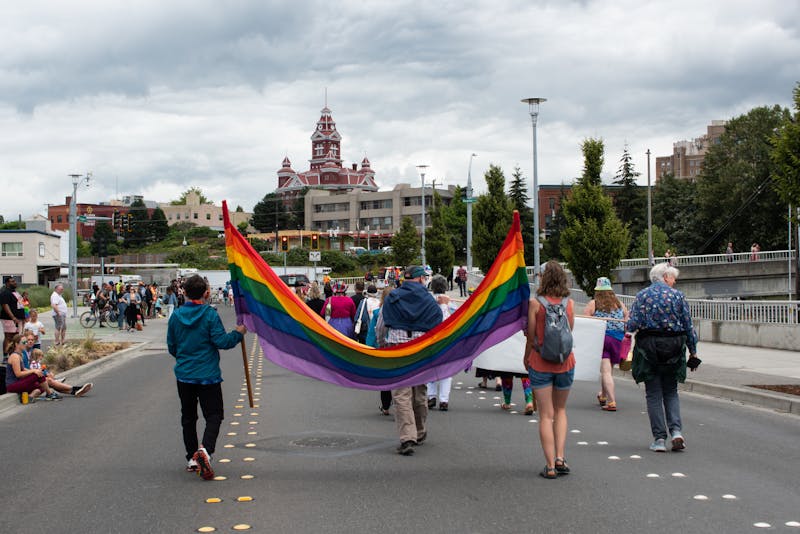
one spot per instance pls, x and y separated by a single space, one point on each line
469 393
655 475
678 475
729 496
576 431
496 404
470 387
762 525
481 398
583 443
602 443
496 398
635 457
794 524
700 498
613 457
533 421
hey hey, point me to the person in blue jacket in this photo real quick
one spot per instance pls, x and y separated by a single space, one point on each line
195 334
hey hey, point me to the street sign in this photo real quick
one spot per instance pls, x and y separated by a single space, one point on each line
469 200
81 218
314 255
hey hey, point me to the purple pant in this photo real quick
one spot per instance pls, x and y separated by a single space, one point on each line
612 350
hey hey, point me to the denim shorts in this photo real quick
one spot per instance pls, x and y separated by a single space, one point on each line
559 381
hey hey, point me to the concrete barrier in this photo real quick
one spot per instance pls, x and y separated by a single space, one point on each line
769 336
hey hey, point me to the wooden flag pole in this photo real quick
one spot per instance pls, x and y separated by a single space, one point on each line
247 374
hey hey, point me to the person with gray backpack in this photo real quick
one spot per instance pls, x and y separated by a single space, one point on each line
551 363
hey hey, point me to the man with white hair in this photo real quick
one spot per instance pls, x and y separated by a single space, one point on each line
662 321
59 306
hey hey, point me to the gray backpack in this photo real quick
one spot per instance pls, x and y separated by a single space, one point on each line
557 343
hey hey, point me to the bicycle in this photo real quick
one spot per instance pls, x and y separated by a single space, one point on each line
107 315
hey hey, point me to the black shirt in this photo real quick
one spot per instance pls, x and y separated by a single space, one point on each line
7 297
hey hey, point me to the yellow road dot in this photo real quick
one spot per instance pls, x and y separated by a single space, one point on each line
228 446
239 406
247 477
252 422
231 434
249 445
244 389
253 413
253 433
234 423
249 459
237 415
206 529
241 526
224 461
258 389
219 477
213 500
255 406
244 498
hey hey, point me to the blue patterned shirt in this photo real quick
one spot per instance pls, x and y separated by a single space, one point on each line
660 307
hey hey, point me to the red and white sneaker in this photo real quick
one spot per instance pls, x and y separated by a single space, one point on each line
192 466
204 463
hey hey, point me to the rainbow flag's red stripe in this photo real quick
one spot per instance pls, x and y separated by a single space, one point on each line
295 337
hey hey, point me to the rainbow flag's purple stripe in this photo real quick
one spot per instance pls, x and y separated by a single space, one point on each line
295 337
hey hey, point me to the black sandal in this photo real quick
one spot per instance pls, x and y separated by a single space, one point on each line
549 472
563 468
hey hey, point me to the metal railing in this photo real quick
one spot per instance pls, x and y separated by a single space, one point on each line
778 312
714 259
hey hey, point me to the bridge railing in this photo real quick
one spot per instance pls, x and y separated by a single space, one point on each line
779 312
713 259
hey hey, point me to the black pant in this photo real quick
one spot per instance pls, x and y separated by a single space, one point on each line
386 399
210 397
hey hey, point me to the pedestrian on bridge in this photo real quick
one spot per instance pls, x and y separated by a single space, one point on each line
662 321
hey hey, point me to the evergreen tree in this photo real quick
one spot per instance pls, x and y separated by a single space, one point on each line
268 213
159 228
455 221
551 248
675 211
630 201
139 225
595 239
492 218
406 243
103 232
735 195
518 195
660 244
785 155
439 251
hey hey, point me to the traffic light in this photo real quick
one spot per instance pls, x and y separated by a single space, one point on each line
284 244
129 217
115 219
314 241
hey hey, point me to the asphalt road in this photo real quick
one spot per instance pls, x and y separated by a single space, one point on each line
321 459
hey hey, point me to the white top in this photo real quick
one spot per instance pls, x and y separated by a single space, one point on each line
34 327
58 304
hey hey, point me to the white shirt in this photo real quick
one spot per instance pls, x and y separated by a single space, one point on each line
58 304
33 327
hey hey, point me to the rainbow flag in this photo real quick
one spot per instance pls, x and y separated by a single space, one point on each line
296 338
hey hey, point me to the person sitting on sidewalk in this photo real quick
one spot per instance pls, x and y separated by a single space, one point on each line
22 379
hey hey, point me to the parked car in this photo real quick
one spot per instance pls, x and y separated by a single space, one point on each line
296 280
356 251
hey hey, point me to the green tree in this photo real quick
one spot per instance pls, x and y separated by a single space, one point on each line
675 212
406 243
551 248
595 239
630 201
12 225
593 159
518 195
735 195
139 225
660 244
182 200
492 218
159 228
455 221
439 251
785 155
104 232
268 213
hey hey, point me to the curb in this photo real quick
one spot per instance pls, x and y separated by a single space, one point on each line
9 400
750 396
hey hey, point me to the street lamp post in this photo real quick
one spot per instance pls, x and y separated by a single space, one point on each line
533 109
649 215
469 201
422 175
73 238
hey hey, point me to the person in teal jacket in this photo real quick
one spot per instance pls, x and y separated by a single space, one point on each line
195 334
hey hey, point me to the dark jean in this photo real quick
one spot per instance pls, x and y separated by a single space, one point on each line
661 393
210 398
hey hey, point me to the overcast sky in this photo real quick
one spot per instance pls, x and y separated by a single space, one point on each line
155 97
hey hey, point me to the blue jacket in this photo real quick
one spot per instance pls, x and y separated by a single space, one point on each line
411 307
194 336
